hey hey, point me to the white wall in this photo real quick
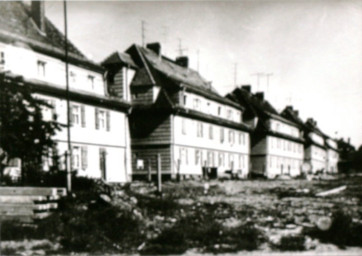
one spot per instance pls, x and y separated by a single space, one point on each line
211 107
24 62
113 141
284 156
187 141
278 126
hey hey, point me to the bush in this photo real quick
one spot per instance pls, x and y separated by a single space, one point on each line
155 205
343 232
202 230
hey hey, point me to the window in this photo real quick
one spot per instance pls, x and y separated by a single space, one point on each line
41 68
240 139
289 146
197 104
278 143
241 161
208 107
184 100
2 58
221 159
231 161
184 156
183 124
91 81
199 130
76 158
211 135
84 160
75 116
197 157
231 137
219 111
222 135
229 114
102 119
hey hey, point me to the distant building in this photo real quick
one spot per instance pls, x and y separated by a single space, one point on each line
315 150
32 47
276 143
177 114
332 154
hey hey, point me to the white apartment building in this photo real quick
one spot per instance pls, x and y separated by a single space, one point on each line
177 114
99 124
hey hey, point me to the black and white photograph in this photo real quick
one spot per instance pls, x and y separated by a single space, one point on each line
186 127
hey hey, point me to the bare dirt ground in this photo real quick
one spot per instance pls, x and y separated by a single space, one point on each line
230 217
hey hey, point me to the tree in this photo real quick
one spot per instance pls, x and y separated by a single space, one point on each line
23 132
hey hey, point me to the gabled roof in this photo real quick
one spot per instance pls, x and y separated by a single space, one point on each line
17 26
119 57
256 107
164 72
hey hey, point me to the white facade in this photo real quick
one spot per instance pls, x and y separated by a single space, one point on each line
284 157
332 157
210 107
200 144
317 157
96 131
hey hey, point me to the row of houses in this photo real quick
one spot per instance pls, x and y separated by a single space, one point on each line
138 104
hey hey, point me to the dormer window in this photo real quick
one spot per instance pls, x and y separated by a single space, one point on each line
41 68
91 81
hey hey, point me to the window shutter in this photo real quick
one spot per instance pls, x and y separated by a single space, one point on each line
108 121
97 118
71 117
82 115
84 160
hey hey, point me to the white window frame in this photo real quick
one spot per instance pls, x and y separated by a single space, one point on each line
41 68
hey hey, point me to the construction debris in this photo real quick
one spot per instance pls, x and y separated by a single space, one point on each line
331 191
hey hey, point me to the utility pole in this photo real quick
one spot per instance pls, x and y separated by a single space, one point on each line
143 30
165 36
180 49
69 153
235 73
258 75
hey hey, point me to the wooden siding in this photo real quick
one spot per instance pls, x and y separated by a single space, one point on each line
258 145
142 95
148 154
150 129
116 83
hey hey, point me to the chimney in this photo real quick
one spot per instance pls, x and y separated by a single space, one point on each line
290 108
311 121
38 14
182 61
296 112
155 47
349 140
259 96
246 88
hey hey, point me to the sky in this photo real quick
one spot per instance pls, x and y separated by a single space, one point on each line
311 49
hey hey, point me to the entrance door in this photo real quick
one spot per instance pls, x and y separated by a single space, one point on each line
102 163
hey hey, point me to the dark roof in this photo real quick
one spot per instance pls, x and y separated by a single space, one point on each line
254 106
119 57
289 114
17 26
162 71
